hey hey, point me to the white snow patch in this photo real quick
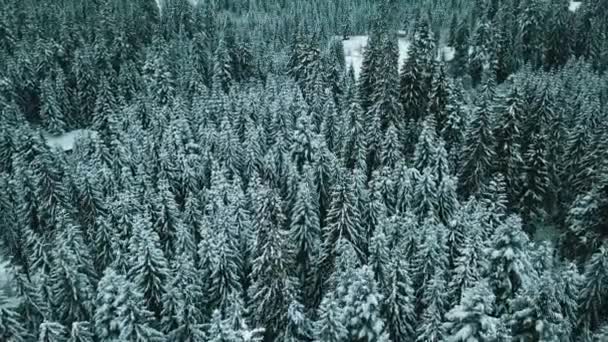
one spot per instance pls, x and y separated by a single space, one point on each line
66 141
4 274
574 5
354 47
448 53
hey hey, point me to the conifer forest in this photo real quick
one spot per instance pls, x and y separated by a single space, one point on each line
303 171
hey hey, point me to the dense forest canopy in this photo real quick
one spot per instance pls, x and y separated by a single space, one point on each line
229 179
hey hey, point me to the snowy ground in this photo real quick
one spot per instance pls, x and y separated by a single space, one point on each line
65 141
4 276
354 47
574 5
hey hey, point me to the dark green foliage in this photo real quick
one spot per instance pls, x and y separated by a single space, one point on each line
221 171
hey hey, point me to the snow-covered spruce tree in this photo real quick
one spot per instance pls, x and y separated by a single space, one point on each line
391 150
226 261
453 131
537 313
12 327
51 112
330 324
426 146
149 268
72 277
417 72
370 65
568 287
271 283
379 255
52 332
558 37
439 96
362 308
479 157
384 100
508 133
354 150
494 199
301 145
399 302
509 267
135 322
447 199
305 237
533 201
431 254
81 332
106 318
343 222
434 306
594 294
299 327
32 308
220 329
529 32
424 201
473 318
469 262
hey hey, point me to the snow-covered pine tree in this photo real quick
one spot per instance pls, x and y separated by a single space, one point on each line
479 157
329 326
509 266
135 322
12 327
271 283
52 332
469 262
417 72
81 332
473 318
439 96
149 267
426 147
362 308
343 222
434 306
399 302
535 183
72 277
593 295
537 313
299 326
305 237
508 133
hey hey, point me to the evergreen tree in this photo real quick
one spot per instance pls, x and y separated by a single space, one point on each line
508 141
536 182
52 332
271 283
400 300
71 276
478 150
11 325
593 292
509 266
434 308
473 319
343 221
305 236
362 308
149 267
329 326
81 332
